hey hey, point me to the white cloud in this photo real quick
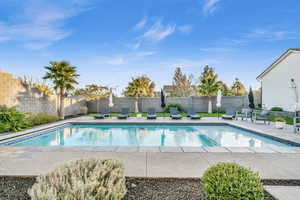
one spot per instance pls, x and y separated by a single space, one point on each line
269 35
141 24
145 53
117 60
40 23
185 29
209 6
158 31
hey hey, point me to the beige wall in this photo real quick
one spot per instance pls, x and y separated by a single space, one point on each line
28 99
276 84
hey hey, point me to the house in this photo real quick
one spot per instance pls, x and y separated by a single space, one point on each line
280 82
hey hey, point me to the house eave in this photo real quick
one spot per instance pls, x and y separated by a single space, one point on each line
276 62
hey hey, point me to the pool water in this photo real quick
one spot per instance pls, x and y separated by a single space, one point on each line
149 135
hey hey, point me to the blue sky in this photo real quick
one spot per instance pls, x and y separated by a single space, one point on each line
112 40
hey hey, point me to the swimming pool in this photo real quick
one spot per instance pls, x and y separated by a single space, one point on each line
148 135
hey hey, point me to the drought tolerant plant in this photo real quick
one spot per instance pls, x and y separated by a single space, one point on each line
87 179
63 75
177 105
41 118
228 181
12 120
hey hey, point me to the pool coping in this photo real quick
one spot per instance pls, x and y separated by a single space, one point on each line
39 130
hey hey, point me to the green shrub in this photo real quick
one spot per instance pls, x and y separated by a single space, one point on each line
228 181
279 109
88 179
279 119
41 118
177 105
258 108
12 120
221 110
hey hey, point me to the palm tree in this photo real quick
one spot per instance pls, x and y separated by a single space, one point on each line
208 85
140 87
238 88
63 76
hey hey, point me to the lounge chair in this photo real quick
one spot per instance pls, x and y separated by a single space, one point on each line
245 113
151 113
261 116
124 114
297 124
174 113
192 114
103 113
229 113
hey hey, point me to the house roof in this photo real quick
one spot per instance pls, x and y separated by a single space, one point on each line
276 62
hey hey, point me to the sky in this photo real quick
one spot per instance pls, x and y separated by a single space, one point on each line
110 41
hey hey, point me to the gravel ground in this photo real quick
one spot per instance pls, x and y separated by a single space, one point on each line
15 188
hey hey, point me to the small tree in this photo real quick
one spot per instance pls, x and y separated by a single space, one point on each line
208 85
182 84
63 76
140 87
251 99
93 92
238 89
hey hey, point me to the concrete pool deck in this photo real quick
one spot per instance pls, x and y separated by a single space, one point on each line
183 162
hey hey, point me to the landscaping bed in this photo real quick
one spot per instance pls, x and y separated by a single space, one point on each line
15 188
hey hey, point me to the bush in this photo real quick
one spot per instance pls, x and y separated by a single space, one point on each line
177 105
221 110
279 119
12 120
88 179
41 118
279 109
227 181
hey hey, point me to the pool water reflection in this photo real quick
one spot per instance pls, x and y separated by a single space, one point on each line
150 135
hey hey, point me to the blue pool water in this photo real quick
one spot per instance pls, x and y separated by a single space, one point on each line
149 135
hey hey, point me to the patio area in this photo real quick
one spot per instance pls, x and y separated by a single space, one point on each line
182 162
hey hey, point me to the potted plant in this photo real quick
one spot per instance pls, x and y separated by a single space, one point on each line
280 122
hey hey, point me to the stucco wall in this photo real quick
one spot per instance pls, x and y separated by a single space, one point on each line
276 84
28 99
200 104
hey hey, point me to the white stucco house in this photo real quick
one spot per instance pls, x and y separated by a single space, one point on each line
280 82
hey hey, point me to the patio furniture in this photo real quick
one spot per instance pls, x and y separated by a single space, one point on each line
245 113
261 116
103 113
174 113
124 113
192 114
151 114
229 113
297 123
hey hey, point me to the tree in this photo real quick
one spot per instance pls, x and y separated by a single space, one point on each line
63 76
140 87
224 88
208 85
182 84
93 92
251 99
238 89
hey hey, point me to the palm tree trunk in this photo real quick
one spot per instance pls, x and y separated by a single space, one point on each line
136 105
209 105
62 104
